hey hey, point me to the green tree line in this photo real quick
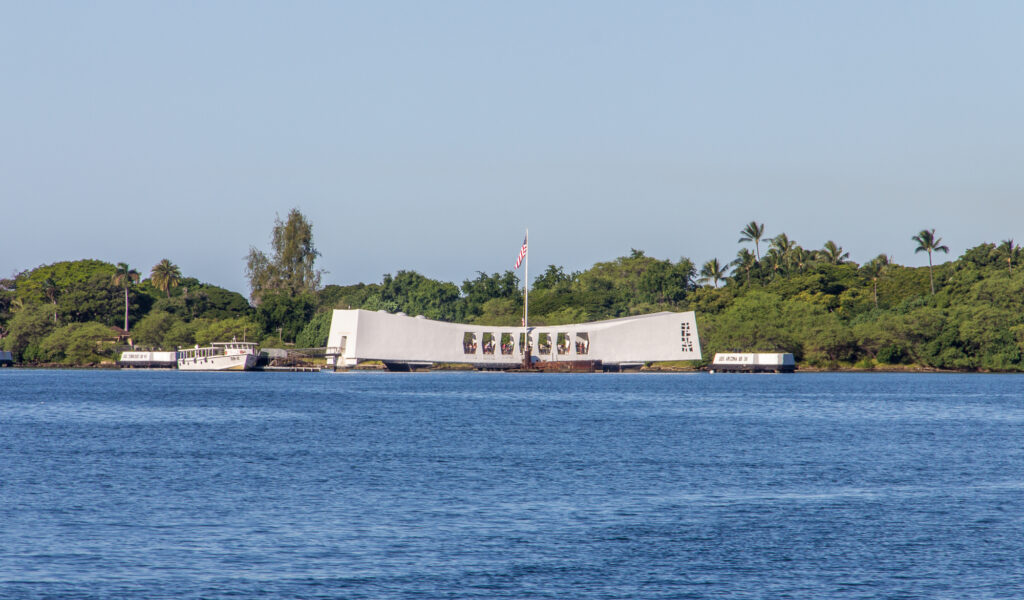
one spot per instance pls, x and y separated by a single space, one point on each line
775 295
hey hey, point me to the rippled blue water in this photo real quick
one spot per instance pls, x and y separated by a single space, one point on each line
459 485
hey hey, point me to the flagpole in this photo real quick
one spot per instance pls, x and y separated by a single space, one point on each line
526 289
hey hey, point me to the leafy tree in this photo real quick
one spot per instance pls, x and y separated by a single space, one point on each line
315 333
928 242
180 335
476 292
225 330
504 312
663 282
79 344
981 256
568 314
153 328
125 277
219 303
7 298
753 232
375 302
986 337
552 278
754 322
27 327
204 301
290 269
349 296
31 286
166 275
282 313
415 294
825 338
713 271
51 290
94 299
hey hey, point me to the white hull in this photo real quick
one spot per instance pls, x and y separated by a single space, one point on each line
236 362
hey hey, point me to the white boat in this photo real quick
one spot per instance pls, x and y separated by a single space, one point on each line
218 356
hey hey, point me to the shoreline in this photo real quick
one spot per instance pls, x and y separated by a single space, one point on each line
648 369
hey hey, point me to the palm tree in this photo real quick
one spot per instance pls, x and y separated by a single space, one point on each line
801 257
874 269
785 247
713 271
50 290
774 258
833 253
928 242
124 277
1009 252
745 260
165 275
753 232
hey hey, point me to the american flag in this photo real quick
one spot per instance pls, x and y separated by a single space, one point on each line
522 253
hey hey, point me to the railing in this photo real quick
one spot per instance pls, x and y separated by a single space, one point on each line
297 357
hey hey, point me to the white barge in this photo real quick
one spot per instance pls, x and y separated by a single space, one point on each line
135 359
750 362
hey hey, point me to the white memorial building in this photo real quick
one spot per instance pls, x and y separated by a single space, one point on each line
402 341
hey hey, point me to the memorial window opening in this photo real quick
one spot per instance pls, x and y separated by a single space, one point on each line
544 343
469 343
563 343
507 344
582 343
488 341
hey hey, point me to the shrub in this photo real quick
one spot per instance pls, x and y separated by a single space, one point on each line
892 354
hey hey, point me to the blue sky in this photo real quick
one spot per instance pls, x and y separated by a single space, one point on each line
429 135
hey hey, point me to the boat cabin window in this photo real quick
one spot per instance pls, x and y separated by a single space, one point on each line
582 343
469 343
488 343
507 347
544 343
563 343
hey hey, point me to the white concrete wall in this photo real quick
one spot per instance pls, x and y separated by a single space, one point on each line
398 338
